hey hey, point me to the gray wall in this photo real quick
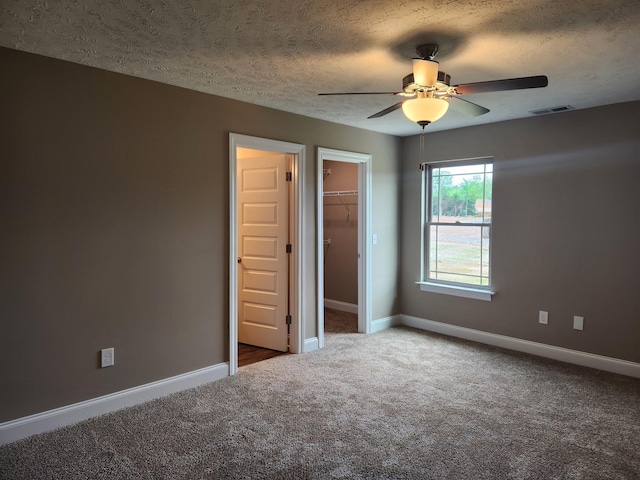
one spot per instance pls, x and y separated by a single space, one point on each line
114 206
341 226
566 235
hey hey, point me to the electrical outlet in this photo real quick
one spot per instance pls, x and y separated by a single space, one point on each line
107 358
543 317
578 323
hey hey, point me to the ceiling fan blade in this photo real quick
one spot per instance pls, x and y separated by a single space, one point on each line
387 110
464 106
501 85
362 93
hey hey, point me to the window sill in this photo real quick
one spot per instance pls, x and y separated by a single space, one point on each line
455 290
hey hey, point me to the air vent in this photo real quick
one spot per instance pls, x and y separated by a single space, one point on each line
546 111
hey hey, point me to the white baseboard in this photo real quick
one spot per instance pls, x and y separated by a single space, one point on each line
608 364
14 430
311 344
384 323
61 417
342 306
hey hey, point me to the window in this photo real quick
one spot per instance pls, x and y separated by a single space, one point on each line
457 227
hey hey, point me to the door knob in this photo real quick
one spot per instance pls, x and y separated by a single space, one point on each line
239 260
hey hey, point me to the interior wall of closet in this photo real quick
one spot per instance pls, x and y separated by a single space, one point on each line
340 220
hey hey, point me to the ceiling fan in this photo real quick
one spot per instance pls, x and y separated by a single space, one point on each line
427 89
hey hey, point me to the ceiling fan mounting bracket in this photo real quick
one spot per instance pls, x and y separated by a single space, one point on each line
427 51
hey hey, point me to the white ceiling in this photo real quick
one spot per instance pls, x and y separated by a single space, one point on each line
281 53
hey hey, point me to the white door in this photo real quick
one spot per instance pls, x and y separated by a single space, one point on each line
263 232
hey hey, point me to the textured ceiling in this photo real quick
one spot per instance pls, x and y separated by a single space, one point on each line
281 53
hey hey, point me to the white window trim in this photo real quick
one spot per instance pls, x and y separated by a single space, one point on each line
484 294
456 290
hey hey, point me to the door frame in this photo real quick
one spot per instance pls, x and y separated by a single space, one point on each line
364 235
297 207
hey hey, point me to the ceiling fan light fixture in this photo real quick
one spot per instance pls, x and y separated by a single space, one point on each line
425 110
425 72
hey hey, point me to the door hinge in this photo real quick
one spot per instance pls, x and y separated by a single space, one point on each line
288 319
289 176
289 248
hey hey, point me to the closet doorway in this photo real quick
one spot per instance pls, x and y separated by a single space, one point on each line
344 235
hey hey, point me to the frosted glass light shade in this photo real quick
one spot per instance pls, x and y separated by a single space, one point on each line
425 72
425 110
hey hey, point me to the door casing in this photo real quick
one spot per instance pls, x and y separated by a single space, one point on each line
297 207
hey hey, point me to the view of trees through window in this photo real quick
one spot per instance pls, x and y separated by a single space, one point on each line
459 223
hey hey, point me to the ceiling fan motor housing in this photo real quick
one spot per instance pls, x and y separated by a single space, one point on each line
410 86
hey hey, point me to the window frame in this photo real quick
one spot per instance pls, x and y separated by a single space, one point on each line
480 292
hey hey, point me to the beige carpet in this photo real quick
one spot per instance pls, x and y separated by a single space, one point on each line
396 404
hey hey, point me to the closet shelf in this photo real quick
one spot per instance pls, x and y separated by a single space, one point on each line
340 193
